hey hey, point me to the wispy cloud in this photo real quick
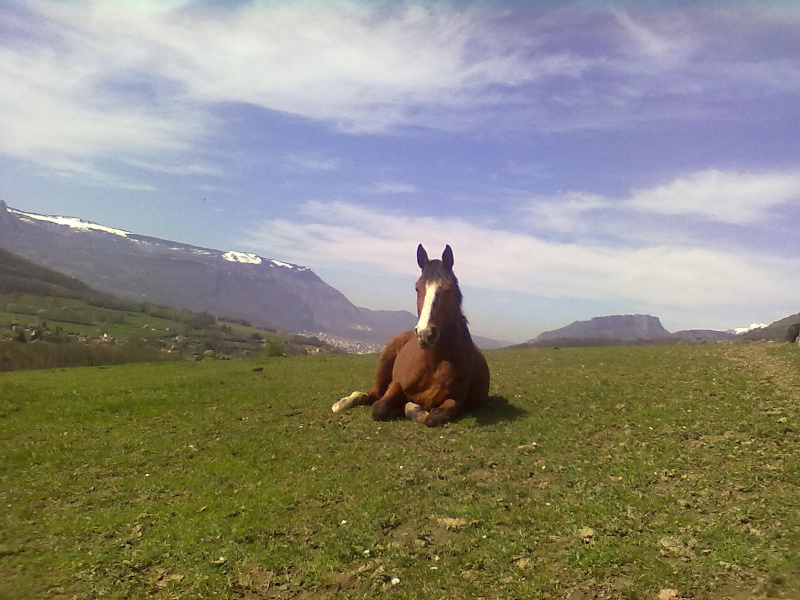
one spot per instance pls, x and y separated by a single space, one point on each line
711 195
191 169
728 197
392 187
565 213
88 80
308 163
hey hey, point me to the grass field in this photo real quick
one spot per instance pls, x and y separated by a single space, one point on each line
634 472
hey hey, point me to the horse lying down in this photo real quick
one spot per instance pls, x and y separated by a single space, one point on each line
435 372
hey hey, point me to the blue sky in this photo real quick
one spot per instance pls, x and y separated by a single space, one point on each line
581 158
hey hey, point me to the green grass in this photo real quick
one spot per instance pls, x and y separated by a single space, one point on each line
78 316
609 471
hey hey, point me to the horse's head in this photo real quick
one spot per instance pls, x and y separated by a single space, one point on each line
438 297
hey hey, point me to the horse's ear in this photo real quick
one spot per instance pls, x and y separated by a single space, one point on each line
447 257
422 257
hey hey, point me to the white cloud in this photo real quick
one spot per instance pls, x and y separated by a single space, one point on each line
91 80
565 213
728 197
87 79
661 277
712 195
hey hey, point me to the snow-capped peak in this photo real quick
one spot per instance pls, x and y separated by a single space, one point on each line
739 330
242 257
73 222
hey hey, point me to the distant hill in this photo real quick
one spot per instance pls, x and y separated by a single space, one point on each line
19 275
702 335
620 329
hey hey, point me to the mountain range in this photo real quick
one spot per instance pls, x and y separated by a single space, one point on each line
269 292
266 292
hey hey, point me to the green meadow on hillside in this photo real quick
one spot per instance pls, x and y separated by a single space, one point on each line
70 331
71 324
631 472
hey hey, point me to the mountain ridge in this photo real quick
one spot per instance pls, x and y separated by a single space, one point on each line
269 292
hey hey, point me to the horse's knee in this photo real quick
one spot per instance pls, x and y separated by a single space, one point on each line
390 406
384 410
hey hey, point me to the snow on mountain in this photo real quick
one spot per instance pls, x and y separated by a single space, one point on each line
278 263
242 257
254 259
740 330
73 222
81 225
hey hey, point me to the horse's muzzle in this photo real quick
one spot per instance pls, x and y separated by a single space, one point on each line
427 337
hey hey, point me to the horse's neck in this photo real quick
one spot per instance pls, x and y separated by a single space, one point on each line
465 335
457 335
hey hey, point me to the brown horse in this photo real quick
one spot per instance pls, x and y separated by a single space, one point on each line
434 372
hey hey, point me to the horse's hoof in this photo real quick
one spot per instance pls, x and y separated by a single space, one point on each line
354 399
435 418
415 413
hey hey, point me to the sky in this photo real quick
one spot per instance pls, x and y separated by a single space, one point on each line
581 158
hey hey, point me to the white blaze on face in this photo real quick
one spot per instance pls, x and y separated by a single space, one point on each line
431 289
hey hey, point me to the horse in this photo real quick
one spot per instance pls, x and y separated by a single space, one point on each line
433 373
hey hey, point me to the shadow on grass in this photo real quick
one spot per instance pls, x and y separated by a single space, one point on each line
498 409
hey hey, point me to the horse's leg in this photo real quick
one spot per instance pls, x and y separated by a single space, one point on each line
383 375
354 399
383 372
449 410
391 404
